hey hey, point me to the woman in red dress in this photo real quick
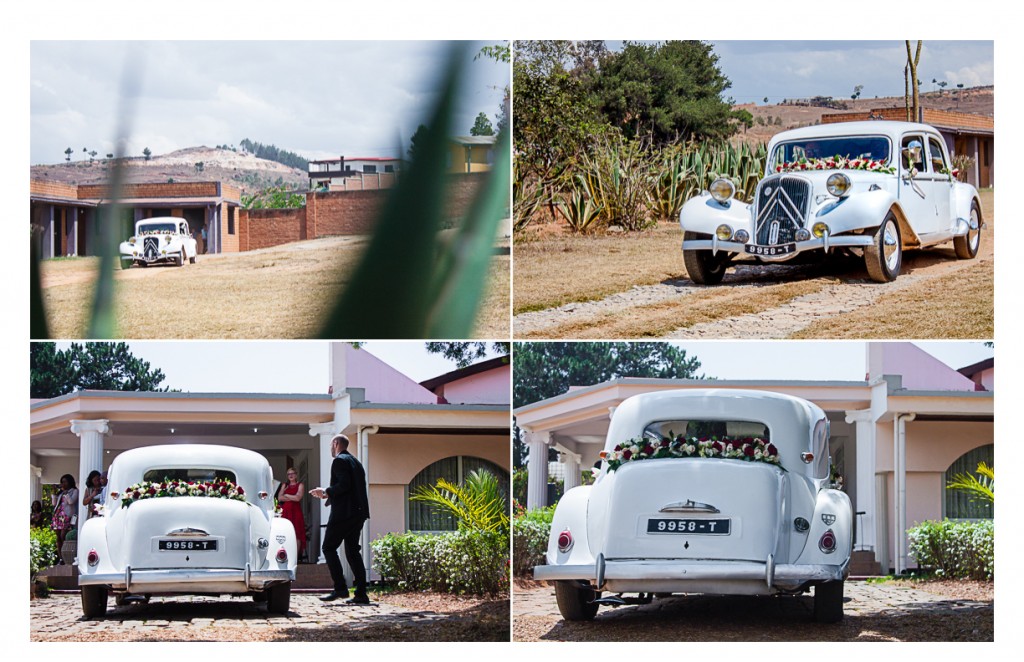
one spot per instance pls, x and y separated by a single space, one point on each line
289 495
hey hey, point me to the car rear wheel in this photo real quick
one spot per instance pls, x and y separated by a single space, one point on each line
966 247
884 257
94 601
702 267
828 602
575 602
279 597
192 260
259 596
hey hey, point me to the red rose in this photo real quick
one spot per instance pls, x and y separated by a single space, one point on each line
772 450
717 446
223 490
664 443
627 454
241 491
748 450
151 491
200 488
648 449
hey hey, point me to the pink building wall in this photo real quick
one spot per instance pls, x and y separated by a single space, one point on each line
382 382
988 379
920 370
486 388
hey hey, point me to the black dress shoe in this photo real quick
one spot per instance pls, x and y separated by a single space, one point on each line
358 600
334 595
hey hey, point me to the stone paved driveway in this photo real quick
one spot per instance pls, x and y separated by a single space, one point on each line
873 612
200 618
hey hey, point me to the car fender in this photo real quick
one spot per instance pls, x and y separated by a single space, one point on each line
864 211
963 196
704 214
571 515
832 511
92 535
282 536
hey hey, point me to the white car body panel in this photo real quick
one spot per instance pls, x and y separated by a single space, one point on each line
159 239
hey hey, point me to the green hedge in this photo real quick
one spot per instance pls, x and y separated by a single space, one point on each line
530 532
461 562
43 553
962 549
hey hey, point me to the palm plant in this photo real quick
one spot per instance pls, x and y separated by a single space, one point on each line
478 504
980 487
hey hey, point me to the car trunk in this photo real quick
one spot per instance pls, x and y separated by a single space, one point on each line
692 508
191 532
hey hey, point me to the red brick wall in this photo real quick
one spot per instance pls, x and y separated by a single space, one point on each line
262 228
231 193
53 189
342 212
165 190
461 190
931 116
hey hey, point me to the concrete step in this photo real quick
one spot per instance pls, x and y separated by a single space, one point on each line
863 564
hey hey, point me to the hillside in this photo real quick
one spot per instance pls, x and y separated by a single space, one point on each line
978 100
240 169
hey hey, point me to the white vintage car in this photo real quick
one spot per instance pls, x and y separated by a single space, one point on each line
160 239
713 491
874 189
187 519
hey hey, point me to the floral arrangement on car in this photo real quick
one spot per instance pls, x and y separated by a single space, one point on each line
745 449
218 488
836 163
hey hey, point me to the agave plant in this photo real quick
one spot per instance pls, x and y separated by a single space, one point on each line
980 487
578 208
478 504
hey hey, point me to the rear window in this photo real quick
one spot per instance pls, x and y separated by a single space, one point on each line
190 474
702 429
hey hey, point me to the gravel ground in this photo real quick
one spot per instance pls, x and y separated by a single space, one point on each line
390 617
889 611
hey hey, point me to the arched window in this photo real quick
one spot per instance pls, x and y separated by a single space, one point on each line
453 469
959 505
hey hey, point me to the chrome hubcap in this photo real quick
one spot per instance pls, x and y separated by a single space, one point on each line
891 245
974 235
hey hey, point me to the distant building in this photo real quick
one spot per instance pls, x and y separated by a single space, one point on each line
471 153
333 172
966 134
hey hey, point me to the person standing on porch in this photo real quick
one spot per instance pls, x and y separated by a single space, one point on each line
347 498
290 495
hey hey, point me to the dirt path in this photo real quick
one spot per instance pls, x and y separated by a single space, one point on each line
841 287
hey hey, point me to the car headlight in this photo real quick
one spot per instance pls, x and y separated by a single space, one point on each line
820 229
838 184
723 232
131 240
721 190
803 234
742 236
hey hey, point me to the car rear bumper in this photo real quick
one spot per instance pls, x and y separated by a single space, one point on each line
195 580
747 577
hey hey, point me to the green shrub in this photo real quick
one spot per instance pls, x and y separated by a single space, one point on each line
461 562
962 549
530 533
43 553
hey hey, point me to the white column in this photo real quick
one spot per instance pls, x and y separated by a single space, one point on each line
572 469
90 453
900 481
325 431
35 483
865 442
537 484
364 459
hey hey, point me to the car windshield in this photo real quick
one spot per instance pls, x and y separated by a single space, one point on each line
190 474
157 227
875 148
704 429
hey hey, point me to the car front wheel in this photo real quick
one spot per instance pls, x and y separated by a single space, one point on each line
828 602
94 601
279 597
966 247
126 263
884 257
179 259
575 602
702 267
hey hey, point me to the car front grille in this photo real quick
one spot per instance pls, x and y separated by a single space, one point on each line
782 206
151 247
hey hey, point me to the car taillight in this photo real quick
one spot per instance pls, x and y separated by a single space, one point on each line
282 556
93 558
827 543
565 541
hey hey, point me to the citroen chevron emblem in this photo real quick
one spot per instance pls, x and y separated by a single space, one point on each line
828 519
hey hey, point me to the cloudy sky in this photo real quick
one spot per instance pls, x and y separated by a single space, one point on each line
798 69
316 98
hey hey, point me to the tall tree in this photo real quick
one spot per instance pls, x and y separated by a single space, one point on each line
93 365
545 369
482 126
417 137
671 92
464 353
147 152
911 82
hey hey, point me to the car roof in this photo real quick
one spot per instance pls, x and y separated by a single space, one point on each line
790 419
875 127
248 466
161 219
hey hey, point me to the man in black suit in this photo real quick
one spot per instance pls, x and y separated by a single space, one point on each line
350 508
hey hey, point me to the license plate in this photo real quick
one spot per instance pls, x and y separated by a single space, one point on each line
781 249
187 545
714 527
